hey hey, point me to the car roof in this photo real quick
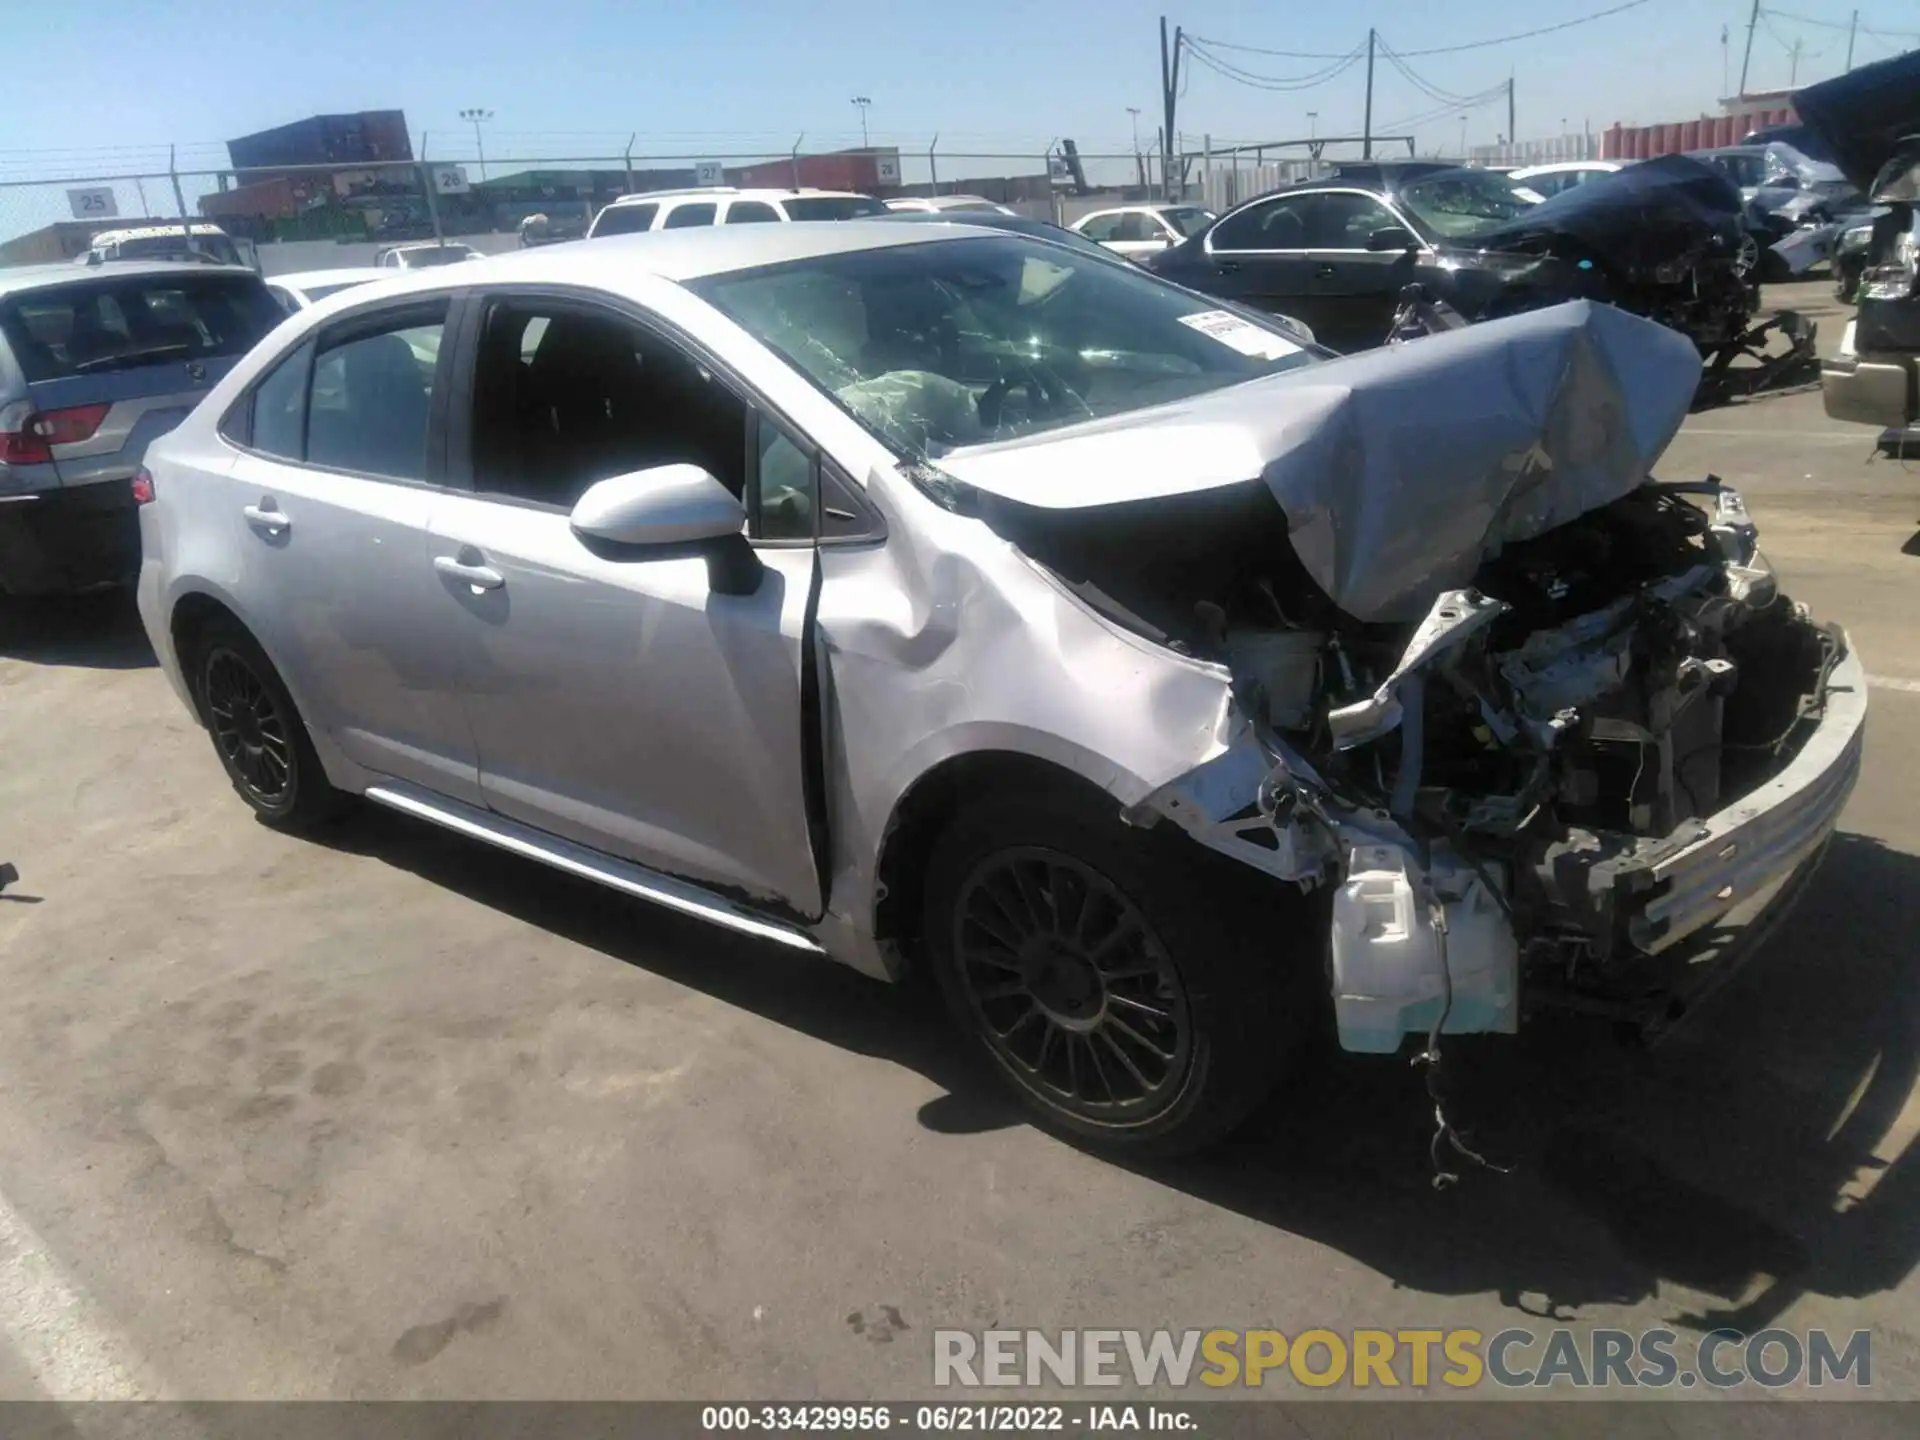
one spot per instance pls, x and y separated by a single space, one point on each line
16 280
149 232
425 245
346 275
683 255
1560 167
733 192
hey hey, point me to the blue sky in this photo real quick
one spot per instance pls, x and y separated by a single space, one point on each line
574 77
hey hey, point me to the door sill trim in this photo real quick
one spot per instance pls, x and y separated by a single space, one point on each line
589 864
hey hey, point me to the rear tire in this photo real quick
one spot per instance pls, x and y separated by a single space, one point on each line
257 731
1134 990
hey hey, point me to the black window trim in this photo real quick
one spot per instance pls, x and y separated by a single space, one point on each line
824 475
370 318
474 304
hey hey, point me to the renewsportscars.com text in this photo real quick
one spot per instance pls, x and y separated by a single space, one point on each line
1396 1359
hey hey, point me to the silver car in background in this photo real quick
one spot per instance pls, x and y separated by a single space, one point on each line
937 596
96 363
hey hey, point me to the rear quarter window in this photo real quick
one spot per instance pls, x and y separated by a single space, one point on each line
625 219
125 322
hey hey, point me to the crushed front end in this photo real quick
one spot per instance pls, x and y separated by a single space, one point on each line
1545 728
1622 741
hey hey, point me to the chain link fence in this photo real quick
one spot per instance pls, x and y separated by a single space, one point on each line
301 217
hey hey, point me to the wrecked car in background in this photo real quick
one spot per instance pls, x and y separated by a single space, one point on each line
1869 119
1156 683
1664 239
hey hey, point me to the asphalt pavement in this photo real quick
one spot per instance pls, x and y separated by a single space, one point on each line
396 1116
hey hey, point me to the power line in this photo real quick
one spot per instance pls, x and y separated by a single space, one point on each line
1529 34
1257 50
1240 75
1423 85
1865 29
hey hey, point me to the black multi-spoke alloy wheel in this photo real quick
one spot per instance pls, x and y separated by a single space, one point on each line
1132 989
257 731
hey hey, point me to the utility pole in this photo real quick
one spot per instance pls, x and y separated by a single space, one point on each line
1169 93
1512 137
1793 75
1139 164
861 102
1853 26
1366 129
476 118
1747 59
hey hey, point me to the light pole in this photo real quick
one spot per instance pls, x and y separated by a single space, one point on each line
1313 124
1139 165
476 117
1463 137
862 102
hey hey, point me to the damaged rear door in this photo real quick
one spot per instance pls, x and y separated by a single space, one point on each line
649 702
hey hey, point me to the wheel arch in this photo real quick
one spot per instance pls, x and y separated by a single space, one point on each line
930 803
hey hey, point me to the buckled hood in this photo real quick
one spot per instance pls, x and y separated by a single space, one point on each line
1637 219
1400 471
1869 119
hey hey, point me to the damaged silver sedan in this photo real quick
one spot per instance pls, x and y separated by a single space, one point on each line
953 600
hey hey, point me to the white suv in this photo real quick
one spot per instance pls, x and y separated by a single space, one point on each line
724 205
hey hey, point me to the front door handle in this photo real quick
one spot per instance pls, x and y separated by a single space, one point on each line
265 517
1227 267
480 577
1323 272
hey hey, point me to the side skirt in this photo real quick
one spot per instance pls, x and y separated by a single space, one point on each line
622 875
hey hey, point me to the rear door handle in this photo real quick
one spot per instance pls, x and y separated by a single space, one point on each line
1323 272
480 577
266 518
1226 267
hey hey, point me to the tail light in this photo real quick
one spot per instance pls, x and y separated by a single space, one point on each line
142 486
33 443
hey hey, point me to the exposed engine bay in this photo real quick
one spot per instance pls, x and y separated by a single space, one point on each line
1522 754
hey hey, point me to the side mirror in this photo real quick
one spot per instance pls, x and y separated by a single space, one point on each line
664 505
1392 237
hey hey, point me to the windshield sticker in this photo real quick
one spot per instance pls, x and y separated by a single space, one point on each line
1237 334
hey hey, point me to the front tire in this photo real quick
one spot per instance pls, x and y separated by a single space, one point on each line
1133 990
257 731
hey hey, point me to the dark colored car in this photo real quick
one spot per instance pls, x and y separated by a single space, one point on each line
1869 121
1661 238
95 364
1378 173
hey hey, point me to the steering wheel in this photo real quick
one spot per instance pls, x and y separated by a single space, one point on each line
1046 392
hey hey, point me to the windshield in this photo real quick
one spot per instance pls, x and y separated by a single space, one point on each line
1459 204
1748 171
832 207
959 342
123 324
1188 219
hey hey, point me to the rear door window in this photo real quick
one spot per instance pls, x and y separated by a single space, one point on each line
367 407
625 219
683 216
750 212
126 322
